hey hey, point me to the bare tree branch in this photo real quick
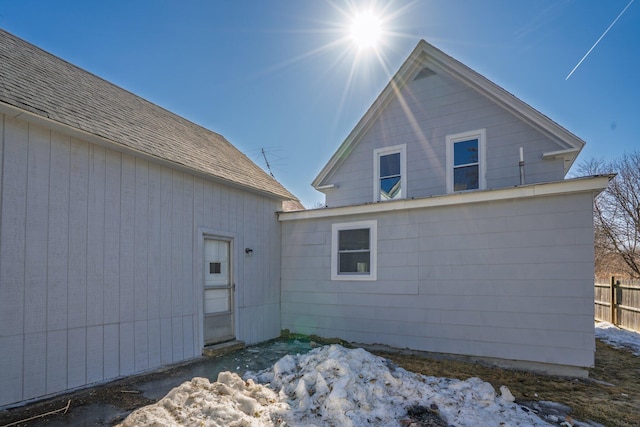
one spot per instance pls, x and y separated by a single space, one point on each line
617 214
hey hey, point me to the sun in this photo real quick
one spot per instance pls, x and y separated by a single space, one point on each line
366 30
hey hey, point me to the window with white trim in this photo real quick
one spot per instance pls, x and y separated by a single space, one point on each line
389 173
466 162
354 250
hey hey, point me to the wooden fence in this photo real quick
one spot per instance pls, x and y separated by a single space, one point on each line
618 302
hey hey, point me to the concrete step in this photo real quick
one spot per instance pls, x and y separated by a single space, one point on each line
222 348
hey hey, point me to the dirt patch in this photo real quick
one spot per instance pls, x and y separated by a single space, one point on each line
610 396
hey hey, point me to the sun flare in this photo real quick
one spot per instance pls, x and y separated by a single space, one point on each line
366 29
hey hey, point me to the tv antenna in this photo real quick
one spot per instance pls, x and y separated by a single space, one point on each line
267 162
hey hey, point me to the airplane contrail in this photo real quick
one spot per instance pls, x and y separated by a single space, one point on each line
598 41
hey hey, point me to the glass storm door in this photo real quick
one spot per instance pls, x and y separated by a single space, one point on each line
218 292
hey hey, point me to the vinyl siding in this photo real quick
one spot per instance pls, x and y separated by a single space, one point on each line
421 116
510 279
100 266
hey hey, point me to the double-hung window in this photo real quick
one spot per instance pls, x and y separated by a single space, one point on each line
353 251
389 177
466 163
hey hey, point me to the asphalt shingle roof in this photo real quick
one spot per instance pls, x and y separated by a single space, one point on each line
43 84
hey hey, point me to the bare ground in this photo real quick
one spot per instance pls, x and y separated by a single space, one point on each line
610 396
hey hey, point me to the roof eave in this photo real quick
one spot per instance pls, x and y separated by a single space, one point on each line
593 184
568 156
17 112
504 98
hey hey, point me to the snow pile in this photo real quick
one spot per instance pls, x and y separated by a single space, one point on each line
335 386
332 386
230 401
619 338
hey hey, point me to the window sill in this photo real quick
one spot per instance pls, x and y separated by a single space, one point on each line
353 278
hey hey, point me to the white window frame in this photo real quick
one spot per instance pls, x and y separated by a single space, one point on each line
402 149
480 135
372 225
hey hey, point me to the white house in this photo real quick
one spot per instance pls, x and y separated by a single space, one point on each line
129 237
449 227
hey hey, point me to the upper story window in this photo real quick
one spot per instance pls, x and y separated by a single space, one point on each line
353 250
466 162
389 176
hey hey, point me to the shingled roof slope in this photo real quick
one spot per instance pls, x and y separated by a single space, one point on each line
43 84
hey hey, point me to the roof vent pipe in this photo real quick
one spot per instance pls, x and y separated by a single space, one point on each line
521 163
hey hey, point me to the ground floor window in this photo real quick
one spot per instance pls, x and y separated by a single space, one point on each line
353 250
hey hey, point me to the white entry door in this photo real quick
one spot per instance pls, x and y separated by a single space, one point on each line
218 292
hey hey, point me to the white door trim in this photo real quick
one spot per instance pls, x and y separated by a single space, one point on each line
202 234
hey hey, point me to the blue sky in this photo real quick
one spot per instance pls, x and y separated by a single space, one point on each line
283 75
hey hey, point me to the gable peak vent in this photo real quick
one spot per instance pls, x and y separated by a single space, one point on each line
424 73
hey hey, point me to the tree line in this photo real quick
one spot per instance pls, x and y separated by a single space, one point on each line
616 215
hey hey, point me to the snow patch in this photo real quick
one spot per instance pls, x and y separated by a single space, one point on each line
505 394
619 338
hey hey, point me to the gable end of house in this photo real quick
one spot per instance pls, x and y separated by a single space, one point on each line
425 61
